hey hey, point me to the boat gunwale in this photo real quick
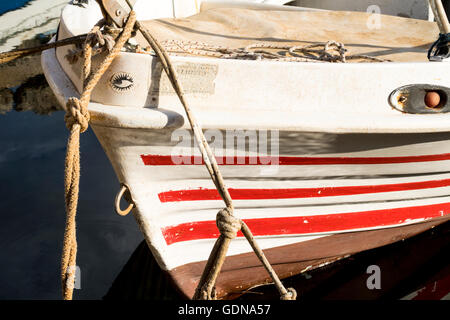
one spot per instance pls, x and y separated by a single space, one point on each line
160 118
168 117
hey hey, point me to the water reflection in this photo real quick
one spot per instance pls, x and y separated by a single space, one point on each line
32 150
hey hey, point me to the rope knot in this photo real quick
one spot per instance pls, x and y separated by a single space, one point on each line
76 113
97 37
228 224
334 46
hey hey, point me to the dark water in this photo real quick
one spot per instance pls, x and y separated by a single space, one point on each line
8 5
32 150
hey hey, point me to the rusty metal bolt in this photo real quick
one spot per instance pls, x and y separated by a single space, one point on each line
402 99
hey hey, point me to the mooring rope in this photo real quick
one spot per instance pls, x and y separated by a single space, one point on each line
228 225
330 51
77 121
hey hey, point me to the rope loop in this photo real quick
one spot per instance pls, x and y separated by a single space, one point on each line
95 36
101 38
291 294
228 224
76 113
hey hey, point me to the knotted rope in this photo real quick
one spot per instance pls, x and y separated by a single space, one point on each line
330 51
77 121
229 226
96 42
226 222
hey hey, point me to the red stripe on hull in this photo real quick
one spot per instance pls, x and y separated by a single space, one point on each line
294 193
309 224
162 160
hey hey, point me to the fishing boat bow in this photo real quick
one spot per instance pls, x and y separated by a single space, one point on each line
322 160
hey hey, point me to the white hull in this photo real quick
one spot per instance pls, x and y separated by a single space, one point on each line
353 165
177 203
416 166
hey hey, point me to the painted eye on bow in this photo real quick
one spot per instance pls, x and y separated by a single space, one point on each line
122 82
